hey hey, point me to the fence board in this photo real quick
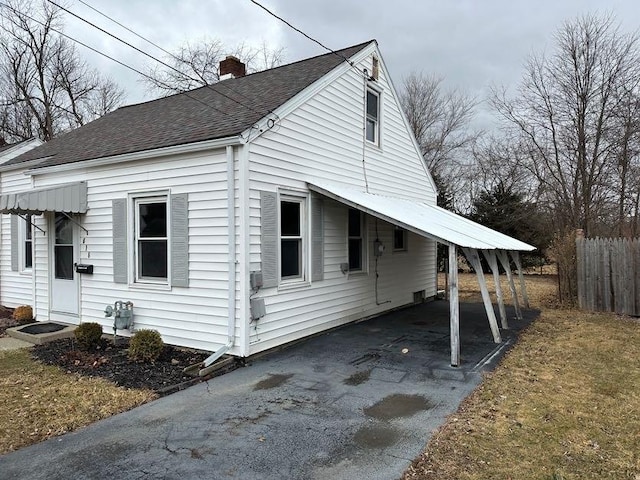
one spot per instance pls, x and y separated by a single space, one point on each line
608 275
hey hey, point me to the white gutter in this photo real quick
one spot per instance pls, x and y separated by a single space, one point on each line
231 226
126 157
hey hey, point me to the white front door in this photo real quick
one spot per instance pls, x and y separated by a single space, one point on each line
64 253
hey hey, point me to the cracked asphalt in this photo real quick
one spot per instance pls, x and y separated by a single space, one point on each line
357 402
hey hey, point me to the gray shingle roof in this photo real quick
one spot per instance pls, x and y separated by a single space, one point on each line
201 114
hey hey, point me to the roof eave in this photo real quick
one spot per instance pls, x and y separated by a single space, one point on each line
130 157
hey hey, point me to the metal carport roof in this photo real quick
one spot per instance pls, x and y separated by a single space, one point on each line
423 219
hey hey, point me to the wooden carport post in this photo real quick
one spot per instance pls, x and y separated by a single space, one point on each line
523 287
474 258
454 310
490 255
504 260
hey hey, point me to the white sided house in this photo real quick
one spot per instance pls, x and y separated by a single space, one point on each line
235 217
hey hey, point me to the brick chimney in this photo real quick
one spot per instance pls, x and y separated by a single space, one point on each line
232 67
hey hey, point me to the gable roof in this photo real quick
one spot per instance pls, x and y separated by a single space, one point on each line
224 109
6 147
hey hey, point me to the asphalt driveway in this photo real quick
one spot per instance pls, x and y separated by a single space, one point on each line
357 402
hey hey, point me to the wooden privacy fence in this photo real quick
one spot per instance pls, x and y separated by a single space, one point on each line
608 273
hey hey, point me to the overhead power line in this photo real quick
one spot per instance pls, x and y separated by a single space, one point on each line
301 32
126 28
115 37
95 50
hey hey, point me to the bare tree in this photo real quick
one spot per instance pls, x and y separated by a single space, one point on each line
197 64
567 115
45 87
438 118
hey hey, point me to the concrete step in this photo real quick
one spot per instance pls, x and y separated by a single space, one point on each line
40 338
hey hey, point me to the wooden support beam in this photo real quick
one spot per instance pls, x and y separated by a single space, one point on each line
474 258
504 260
490 255
523 287
454 307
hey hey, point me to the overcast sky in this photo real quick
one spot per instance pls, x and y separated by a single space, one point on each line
472 44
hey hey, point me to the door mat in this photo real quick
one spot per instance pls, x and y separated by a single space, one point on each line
39 328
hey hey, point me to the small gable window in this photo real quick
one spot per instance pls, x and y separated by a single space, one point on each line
372 127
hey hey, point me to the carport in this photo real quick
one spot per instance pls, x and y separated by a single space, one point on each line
456 232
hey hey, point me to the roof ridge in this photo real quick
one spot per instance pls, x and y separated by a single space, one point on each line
224 82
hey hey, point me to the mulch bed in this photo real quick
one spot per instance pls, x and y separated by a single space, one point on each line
111 362
5 320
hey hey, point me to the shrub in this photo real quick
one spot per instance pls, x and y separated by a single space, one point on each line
145 346
88 335
23 314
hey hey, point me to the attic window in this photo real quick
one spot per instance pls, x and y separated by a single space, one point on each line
372 128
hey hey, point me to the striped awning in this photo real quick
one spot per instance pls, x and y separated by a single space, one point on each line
68 198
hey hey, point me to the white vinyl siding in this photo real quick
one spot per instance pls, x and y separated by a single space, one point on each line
195 316
16 284
323 140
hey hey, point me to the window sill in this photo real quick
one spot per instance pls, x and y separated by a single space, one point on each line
26 272
400 252
294 286
358 273
373 146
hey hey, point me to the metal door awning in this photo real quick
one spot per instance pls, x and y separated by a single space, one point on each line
426 220
68 198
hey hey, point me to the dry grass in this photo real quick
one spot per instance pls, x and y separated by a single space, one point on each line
563 404
541 289
39 401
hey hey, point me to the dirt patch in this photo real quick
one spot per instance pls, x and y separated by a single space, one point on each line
274 380
357 378
398 405
112 363
376 436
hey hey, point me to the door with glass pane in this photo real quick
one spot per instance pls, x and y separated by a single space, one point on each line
64 280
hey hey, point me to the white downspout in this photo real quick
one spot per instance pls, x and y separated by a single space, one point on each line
231 227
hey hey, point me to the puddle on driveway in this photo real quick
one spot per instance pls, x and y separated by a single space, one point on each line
274 380
376 436
357 378
398 405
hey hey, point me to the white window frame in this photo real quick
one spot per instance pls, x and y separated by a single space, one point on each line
364 258
303 237
376 121
25 226
405 241
141 199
